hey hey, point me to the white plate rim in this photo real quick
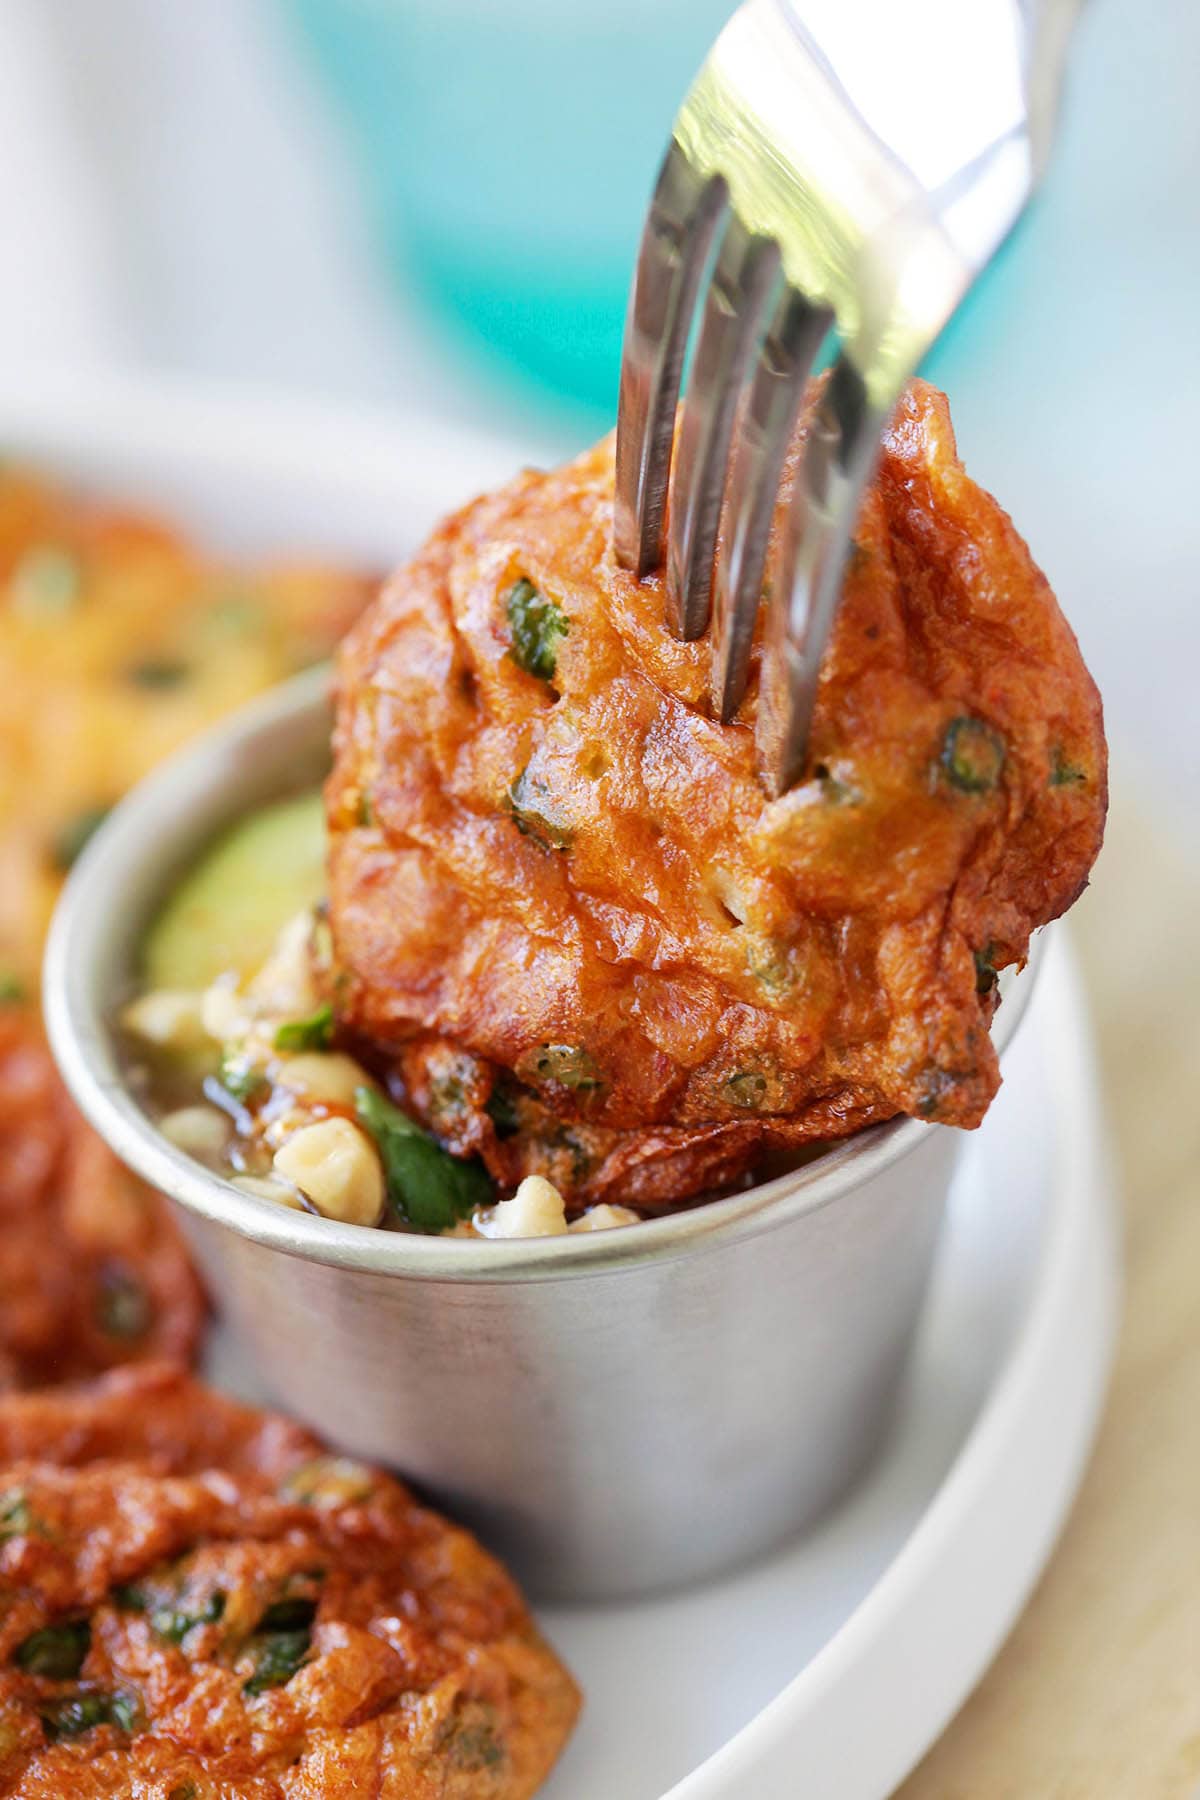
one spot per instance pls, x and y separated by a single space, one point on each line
923 1637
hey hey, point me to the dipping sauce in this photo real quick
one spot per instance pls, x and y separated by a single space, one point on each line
236 1050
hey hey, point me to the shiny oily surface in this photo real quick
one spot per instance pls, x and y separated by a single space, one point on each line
656 1362
271 747
543 1374
551 869
200 1599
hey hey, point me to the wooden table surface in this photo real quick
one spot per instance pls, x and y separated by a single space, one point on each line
1096 1695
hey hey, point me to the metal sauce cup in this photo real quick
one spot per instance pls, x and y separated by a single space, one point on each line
615 1411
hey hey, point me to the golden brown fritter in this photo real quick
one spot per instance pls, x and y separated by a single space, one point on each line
199 1603
117 642
93 1271
551 864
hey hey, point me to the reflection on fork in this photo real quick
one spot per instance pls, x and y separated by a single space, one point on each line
840 169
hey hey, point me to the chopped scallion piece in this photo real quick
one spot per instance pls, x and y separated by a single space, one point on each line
747 1089
76 1713
475 1743
238 1075
16 1515
56 1651
1064 773
972 755
427 1186
532 808
537 625
123 1308
46 583
313 1033
277 1655
295 1613
986 974
158 673
501 1109
237 613
174 1625
568 1064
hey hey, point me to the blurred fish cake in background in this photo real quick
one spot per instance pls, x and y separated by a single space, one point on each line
201 1602
117 642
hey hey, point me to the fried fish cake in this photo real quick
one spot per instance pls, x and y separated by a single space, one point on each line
93 1270
551 863
118 642
200 1602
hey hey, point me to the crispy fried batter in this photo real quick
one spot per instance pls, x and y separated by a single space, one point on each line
225 1610
548 860
117 643
93 1270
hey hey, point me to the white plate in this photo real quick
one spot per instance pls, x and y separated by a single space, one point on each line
827 1670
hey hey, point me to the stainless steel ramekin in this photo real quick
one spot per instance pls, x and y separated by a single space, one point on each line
616 1411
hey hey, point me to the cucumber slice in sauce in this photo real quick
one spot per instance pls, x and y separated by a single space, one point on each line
227 912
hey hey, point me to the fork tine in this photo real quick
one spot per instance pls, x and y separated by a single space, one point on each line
811 554
785 361
679 225
746 269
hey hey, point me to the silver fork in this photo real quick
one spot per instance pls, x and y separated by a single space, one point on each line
845 166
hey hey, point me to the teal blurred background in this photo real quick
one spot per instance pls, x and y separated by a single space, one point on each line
428 209
507 152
